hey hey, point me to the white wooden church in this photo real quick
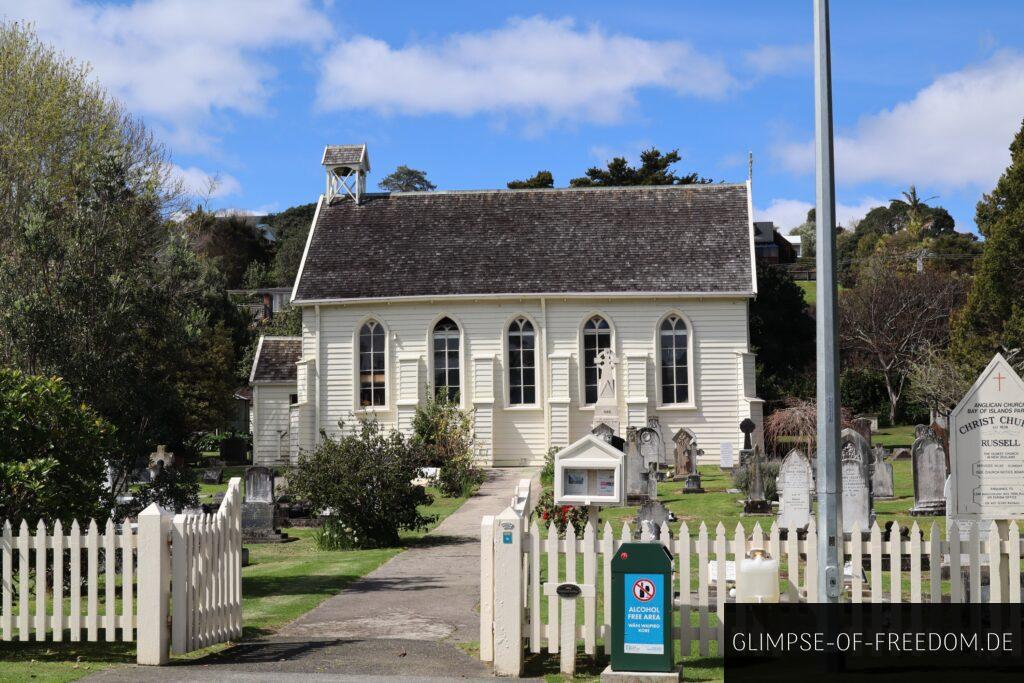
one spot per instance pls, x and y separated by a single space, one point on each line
502 300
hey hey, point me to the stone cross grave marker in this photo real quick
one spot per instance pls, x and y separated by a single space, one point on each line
795 483
857 503
929 465
881 474
685 458
213 475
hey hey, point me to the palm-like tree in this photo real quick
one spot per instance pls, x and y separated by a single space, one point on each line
915 206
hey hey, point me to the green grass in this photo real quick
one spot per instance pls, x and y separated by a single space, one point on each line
900 436
810 291
282 582
810 294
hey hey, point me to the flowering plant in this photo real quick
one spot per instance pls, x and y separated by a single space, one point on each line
548 513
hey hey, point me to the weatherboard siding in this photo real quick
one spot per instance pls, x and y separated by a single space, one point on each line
521 434
271 403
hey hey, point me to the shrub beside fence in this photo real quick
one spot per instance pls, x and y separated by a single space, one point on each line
519 572
47 576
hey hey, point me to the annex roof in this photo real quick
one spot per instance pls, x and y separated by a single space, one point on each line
645 239
275 360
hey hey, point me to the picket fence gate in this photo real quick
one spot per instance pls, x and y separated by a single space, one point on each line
511 599
135 567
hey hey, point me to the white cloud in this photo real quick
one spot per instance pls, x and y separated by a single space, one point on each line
768 60
549 70
177 60
198 183
954 133
789 213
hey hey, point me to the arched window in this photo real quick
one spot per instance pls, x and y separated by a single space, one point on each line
446 359
522 379
371 364
597 336
675 378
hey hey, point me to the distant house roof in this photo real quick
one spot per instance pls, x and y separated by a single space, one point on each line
343 154
646 239
275 359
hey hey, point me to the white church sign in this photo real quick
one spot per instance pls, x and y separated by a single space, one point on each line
986 435
589 472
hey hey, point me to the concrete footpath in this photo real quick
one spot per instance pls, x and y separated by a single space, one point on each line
402 620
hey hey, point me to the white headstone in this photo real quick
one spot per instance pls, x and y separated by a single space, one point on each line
986 437
795 482
929 467
606 410
856 489
725 458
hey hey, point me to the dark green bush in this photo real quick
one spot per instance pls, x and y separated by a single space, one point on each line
769 473
445 433
53 451
363 479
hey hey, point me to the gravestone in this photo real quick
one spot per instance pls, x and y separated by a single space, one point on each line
682 454
161 458
862 426
881 475
258 507
652 514
857 503
747 426
636 477
929 465
795 484
756 504
605 433
213 475
726 460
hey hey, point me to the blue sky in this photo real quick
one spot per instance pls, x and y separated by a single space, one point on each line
477 94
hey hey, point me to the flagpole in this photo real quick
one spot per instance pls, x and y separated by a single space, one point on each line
830 527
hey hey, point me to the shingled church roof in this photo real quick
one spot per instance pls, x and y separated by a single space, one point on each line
683 239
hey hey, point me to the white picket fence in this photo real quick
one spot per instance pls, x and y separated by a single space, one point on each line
512 598
207 575
135 568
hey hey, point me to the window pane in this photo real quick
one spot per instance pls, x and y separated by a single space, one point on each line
529 395
364 343
439 378
453 377
682 394
591 394
666 375
515 395
528 379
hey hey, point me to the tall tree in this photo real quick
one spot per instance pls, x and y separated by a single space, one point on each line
96 285
655 169
231 243
994 314
891 317
290 229
781 334
539 181
405 179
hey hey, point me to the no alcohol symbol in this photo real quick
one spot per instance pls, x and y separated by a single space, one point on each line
643 590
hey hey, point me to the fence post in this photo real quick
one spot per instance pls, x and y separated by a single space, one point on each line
154 584
508 594
487 588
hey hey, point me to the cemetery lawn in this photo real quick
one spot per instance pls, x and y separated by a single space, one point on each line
282 582
898 436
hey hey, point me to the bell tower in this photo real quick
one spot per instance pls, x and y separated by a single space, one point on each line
346 167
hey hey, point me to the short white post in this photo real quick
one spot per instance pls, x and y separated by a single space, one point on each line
508 594
567 637
154 584
487 588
